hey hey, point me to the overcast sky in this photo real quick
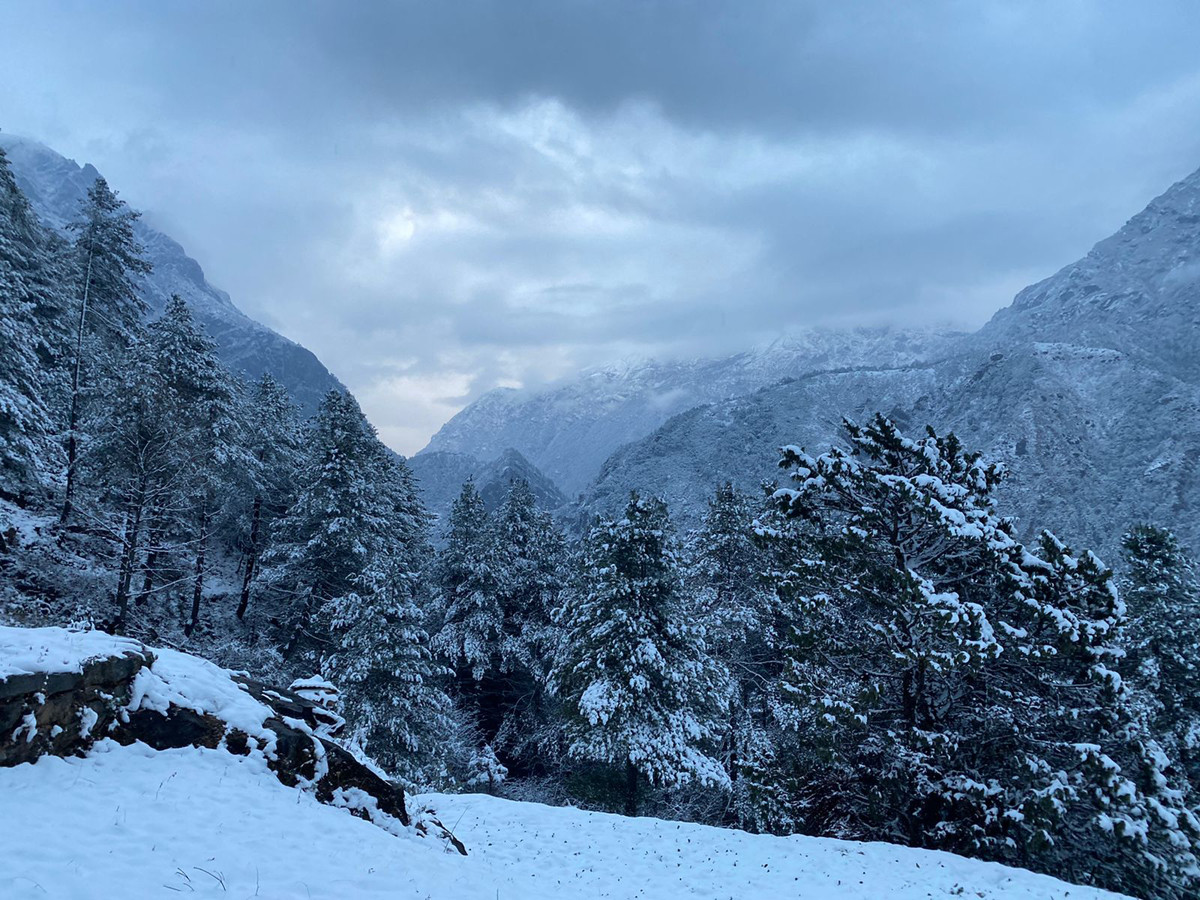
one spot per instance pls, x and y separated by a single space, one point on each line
442 197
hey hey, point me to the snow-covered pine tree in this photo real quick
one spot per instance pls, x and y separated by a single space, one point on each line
406 533
736 606
333 531
206 406
888 620
957 688
485 771
391 686
640 690
109 261
1161 588
1084 788
273 439
30 331
725 566
135 460
472 634
168 432
529 558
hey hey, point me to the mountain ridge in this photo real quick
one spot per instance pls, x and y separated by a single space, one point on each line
569 428
54 185
1086 388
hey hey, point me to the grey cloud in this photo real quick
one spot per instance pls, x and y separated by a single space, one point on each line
442 197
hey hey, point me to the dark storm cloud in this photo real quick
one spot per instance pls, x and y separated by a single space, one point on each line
750 64
442 197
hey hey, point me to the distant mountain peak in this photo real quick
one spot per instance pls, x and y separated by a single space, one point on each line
441 474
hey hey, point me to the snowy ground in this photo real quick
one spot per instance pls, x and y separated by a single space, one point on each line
27 650
132 822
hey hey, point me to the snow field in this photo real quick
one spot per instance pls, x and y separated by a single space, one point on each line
133 822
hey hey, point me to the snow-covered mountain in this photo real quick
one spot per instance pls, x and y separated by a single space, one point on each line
1137 292
1087 388
55 185
442 473
570 428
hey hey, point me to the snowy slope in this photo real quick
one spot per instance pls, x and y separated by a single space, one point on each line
738 440
132 822
55 185
1137 292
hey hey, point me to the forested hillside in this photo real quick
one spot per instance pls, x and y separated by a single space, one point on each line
54 187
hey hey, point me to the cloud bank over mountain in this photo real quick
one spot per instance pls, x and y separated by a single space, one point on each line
439 201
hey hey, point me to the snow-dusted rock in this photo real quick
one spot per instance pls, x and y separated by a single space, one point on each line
61 691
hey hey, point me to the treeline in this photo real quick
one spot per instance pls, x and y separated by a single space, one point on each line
869 653
866 652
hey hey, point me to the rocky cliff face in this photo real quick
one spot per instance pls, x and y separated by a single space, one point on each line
55 185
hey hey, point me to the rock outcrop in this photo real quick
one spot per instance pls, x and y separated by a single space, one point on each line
63 713
119 695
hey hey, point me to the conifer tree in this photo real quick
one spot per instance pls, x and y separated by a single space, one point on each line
639 688
335 529
169 434
30 303
529 557
1161 589
472 634
956 688
888 616
137 455
205 407
390 684
473 622
725 578
1081 767
109 261
273 439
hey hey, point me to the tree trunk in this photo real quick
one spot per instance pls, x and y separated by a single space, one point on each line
198 589
73 417
133 525
153 556
251 558
72 453
631 789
